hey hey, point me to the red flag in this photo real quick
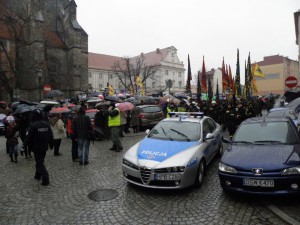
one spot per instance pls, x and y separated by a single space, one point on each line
230 79
203 78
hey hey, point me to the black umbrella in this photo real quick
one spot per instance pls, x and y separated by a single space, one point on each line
23 108
112 98
54 94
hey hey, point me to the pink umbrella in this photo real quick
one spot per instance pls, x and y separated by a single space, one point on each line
101 97
124 106
59 110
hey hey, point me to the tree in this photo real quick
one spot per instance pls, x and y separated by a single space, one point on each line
128 70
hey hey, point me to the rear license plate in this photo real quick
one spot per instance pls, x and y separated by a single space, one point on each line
259 183
167 176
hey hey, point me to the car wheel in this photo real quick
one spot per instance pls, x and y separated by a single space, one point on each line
200 174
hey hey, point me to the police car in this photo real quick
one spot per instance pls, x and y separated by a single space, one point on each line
175 153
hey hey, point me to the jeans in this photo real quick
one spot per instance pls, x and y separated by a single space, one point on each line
83 156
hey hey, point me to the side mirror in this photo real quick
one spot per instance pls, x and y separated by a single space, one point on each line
226 140
209 136
147 131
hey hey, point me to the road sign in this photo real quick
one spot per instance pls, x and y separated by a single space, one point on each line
291 82
47 88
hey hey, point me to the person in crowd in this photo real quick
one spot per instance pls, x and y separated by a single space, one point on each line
114 122
127 125
182 106
39 138
24 124
171 108
74 145
58 130
101 121
123 117
11 134
230 120
82 128
135 121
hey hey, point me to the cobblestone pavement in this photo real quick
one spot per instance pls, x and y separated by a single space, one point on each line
24 200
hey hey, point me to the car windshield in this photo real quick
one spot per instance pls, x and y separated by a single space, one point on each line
176 131
264 133
151 109
281 113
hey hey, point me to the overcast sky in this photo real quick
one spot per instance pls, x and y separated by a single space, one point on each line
213 28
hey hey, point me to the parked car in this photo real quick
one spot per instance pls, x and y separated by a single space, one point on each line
262 158
2 126
175 153
281 112
150 115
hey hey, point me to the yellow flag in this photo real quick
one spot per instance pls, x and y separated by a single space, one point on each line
254 87
111 90
257 72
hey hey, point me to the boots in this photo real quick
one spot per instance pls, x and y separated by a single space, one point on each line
16 157
11 158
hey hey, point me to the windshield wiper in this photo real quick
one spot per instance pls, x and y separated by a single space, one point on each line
183 135
165 133
243 142
268 141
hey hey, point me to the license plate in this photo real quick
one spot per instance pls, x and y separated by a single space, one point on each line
259 183
167 176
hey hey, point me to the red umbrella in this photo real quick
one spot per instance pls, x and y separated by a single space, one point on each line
59 110
124 106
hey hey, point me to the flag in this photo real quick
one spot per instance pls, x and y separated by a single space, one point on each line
217 92
256 71
189 77
224 79
231 84
111 90
237 76
203 78
209 91
248 80
198 88
253 86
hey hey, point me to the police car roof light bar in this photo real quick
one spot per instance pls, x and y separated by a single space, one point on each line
187 114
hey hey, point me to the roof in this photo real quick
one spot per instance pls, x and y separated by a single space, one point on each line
105 62
101 61
265 119
270 60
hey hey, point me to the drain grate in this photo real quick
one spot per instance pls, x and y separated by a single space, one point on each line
103 195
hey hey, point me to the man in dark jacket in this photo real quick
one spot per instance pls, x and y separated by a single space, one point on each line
38 138
82 128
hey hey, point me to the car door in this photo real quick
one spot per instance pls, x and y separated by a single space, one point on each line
209 126
208 144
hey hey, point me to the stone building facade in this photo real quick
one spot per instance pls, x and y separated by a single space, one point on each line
167 67
49 47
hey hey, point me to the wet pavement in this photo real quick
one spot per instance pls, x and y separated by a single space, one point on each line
98 194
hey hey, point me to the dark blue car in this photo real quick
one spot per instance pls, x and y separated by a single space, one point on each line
262 158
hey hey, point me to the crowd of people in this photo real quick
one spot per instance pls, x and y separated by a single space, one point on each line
39 131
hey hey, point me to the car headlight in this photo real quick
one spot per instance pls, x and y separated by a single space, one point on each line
226 169
291 171
130 164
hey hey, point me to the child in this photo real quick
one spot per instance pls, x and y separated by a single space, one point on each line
11 135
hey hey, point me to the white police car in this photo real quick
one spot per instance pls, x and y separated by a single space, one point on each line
175 153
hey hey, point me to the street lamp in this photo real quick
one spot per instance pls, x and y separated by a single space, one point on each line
40 75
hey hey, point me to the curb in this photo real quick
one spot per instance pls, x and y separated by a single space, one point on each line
283 215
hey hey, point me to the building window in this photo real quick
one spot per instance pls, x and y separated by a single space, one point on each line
179 74
172 54
153 84
180 84
166 72
90 75
100 75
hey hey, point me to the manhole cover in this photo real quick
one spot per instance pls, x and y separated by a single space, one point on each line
103 195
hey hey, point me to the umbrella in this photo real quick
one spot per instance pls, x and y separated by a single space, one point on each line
102 104
54 93
124 106
59 110
94 99
112 98
101 97
23 108
94 94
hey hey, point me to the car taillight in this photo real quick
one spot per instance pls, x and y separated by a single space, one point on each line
141 116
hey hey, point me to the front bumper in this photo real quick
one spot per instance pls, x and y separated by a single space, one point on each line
282 184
